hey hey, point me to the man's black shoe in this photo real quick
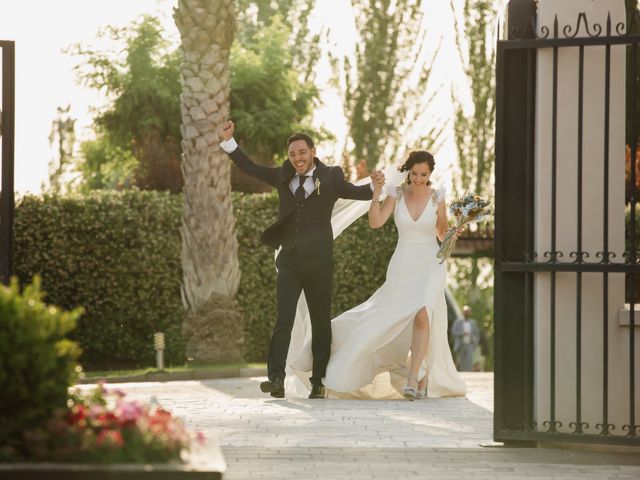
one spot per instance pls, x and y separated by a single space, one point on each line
318 391
275 388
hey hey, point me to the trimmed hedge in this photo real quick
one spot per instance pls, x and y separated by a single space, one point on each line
117 254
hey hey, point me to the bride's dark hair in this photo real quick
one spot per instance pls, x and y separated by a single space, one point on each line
415 157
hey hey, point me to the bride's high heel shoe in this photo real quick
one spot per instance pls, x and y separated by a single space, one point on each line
410 393
421 393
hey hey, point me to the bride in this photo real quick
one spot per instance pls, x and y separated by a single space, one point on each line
395 343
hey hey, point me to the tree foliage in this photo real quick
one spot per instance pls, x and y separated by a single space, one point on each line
475 142
385 91
137 134
268 101
63 135
304 47
272 89
474 132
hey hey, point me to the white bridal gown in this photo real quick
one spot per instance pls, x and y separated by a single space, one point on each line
370 346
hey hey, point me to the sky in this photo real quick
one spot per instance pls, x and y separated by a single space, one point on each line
45 78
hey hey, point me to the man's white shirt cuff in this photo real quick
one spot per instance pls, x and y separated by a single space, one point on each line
229 145
372 187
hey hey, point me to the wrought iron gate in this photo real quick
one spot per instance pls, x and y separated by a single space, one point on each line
521 270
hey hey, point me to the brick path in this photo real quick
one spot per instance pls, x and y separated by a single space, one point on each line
265 438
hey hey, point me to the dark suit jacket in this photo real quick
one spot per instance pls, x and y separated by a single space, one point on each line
305 225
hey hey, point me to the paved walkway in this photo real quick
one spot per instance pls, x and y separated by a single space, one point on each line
294 438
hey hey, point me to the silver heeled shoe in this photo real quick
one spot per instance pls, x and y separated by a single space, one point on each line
422 394
410 393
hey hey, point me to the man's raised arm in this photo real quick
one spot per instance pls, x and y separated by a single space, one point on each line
242 161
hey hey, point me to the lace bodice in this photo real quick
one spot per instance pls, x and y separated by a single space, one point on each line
423 229
396 192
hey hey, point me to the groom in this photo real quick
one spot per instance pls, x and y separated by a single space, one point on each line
307 190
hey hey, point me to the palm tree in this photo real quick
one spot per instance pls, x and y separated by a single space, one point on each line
211 274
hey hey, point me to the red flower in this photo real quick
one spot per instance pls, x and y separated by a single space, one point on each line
109 438
76 414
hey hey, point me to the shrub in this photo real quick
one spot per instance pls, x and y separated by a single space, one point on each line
117 254
37 361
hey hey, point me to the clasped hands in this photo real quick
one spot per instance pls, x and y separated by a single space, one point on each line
377 180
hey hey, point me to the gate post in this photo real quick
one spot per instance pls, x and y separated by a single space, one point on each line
515 122
7 132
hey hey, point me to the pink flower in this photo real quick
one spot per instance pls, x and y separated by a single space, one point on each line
129 412
96 411
200 437
109 438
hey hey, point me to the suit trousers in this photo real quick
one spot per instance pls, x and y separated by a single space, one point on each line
313 275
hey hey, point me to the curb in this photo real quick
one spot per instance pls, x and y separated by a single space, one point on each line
179 376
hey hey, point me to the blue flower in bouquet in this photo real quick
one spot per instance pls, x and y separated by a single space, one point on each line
470 209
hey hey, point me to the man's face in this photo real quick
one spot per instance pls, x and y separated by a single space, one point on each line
466 312
301 156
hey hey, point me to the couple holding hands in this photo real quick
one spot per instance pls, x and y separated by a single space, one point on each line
394 344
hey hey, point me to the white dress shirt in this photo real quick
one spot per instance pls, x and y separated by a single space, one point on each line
309 186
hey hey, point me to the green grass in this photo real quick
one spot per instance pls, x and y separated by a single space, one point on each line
179 368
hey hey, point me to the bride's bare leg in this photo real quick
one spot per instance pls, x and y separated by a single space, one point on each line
419 345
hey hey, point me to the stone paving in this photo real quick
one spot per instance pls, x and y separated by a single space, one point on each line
266 438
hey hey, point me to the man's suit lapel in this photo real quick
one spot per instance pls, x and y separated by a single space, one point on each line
319 177
287 172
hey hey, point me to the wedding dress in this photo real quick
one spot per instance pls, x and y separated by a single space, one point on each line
370 348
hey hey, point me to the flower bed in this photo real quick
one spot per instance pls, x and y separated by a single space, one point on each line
102 434
105 427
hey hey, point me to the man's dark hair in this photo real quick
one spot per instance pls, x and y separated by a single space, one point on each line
300 136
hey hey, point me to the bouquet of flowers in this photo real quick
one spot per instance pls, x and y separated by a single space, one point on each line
470 209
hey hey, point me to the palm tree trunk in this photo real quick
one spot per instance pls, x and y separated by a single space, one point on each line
211 274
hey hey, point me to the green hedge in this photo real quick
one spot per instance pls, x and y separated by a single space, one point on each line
118 255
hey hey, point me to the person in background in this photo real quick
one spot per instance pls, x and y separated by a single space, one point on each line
466 338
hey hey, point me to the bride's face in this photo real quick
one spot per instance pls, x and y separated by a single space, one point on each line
420 174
